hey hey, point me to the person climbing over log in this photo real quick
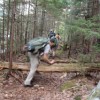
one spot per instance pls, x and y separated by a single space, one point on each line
38 49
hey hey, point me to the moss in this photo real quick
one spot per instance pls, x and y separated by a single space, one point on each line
78 97
68 85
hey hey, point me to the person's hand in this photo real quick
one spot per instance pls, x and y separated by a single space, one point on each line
52 62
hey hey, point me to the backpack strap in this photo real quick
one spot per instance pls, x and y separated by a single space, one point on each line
42 49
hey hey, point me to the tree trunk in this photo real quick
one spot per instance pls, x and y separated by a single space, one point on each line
35 19
3 36
26 34
93 8
8 29
69 51
22 27
42 22
12 36
42 18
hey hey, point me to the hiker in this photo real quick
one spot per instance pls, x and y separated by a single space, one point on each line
57 36
51 34
34 60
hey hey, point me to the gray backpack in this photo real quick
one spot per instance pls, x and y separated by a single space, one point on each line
37 44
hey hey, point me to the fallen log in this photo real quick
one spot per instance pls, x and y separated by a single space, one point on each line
73 61
66 67
66 61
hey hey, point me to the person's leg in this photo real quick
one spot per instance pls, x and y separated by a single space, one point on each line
34 61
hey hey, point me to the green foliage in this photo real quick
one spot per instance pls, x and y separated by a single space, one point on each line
54 7
86 58
60 29
96 48
82 27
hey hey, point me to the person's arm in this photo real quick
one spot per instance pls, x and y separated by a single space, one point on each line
45 55
46 59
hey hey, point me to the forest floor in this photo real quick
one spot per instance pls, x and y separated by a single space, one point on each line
46 86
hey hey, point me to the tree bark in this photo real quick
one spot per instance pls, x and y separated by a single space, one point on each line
35 19
12 36
93 8
26 34
8 28
42 23
42 18
3 36
69 51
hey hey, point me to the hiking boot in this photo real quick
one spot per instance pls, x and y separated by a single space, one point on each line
31 85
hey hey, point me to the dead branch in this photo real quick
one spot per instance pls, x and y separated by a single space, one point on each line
16 77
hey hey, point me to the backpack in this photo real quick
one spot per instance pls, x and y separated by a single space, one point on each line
51 34
37 45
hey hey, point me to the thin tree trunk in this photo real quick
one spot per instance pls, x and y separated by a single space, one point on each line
21 35
42 18
95 7
35 19
83 45
17 35
69 52
3 45
42 23
8 18
12 36
26 35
